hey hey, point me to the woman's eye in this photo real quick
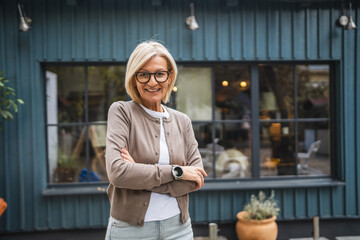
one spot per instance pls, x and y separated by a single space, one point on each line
143 75
160 74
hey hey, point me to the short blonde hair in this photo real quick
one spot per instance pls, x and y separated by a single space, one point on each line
139 57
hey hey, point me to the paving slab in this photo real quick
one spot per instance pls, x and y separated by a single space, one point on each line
320 238
348 238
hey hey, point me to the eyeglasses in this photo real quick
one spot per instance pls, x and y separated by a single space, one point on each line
160 77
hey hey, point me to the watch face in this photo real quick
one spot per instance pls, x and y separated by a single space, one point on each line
343 20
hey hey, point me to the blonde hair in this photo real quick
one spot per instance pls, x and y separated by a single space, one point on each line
138 58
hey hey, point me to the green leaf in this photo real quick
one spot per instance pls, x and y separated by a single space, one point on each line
10 115
20 101
3 113
15 107
6 114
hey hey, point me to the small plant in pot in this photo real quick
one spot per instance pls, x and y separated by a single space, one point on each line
65 171
257 220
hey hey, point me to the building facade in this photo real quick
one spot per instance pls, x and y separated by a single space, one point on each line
264 82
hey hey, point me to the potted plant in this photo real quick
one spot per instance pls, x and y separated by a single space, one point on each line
66 168
257 220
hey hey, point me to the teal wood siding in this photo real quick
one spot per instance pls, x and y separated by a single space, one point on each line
107 31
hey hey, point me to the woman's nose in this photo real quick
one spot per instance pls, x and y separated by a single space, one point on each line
152 80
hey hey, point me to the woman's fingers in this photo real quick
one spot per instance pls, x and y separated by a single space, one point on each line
195 174
202 171
201 181
126 155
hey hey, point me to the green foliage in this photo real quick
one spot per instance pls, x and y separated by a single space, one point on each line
261 208
65 161
8 101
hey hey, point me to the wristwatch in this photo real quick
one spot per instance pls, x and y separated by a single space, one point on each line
177 172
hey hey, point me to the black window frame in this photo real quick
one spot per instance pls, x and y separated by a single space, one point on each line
255 121
254 182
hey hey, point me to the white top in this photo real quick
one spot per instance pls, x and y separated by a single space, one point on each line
161 206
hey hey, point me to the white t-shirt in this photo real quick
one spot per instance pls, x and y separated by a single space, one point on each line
161 206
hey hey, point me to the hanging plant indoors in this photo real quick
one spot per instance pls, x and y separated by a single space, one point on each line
8 101
257 220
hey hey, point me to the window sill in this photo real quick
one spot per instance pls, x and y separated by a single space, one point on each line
224 185
210 185
75 189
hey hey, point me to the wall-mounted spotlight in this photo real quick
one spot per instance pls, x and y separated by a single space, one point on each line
25 21
343 20
351 24
190 21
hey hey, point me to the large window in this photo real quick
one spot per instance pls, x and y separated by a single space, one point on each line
251 120
78 99
259 120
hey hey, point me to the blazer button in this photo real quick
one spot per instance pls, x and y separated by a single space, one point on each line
145 203
156 136
156 153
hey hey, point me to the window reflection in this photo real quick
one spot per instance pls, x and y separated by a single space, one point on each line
66 153
314 148
233 150
232 91
193 93
203 134
313 91
105 86
276 97
76 150
68 85
277 148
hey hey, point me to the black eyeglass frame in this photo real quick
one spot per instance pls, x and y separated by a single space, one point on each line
168 75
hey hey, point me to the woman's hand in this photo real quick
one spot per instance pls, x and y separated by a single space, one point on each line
195 174
126 156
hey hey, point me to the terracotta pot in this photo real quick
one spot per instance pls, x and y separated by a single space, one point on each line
65 175
255 229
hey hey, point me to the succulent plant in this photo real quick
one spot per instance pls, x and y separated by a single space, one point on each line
261 208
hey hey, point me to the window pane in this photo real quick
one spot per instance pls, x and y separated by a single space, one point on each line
66 153
313 91
232 91
277 148
233 154
314 149
203 135
276 97
193 93
106 84
65 94
97 137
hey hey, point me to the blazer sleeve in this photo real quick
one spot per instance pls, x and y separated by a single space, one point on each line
121 173
193 158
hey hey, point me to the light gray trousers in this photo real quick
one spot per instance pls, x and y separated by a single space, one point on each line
168 229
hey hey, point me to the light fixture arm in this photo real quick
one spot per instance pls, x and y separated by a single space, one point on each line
25 22
192 10
351 24
20 11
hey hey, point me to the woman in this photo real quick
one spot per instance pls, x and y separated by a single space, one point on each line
152 159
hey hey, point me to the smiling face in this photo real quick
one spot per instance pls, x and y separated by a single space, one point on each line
152 92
